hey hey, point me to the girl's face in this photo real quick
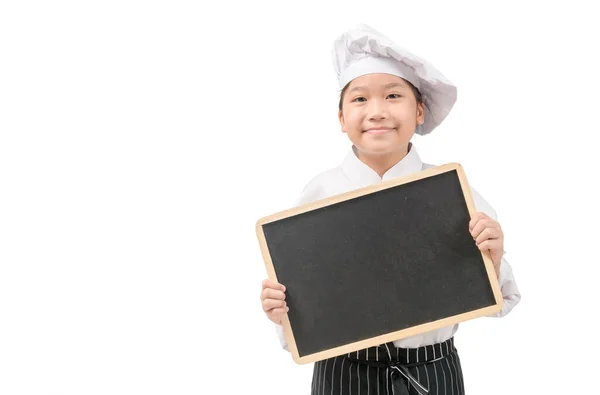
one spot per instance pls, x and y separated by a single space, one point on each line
380 114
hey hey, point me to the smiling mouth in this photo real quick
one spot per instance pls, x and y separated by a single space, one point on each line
378 130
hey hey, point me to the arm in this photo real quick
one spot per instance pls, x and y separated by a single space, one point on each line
510 291
508 285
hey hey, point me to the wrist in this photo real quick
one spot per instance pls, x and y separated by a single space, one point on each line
497 269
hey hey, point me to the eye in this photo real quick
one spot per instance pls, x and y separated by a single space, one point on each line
394 96
359 99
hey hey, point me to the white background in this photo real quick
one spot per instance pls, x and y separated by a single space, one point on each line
141 141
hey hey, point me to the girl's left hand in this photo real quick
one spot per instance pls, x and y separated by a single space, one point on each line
488 235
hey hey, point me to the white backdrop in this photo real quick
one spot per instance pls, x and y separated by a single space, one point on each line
141 141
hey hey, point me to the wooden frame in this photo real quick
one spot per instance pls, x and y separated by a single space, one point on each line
352 347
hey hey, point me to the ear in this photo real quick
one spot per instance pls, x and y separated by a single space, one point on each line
420 113
341 119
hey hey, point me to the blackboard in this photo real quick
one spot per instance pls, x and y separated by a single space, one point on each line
378 264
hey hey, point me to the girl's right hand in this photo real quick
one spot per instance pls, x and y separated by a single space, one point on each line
273 300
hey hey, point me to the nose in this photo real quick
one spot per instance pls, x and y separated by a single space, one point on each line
377 110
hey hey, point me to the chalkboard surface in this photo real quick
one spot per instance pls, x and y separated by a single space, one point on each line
378 264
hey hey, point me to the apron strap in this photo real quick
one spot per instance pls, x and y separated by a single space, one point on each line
400 387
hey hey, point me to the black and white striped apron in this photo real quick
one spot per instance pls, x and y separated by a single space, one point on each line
389 370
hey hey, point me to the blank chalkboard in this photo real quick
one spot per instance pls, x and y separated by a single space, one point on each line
378 264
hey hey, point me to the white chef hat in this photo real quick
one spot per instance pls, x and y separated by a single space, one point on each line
364 50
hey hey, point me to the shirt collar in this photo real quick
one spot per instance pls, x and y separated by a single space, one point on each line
361 174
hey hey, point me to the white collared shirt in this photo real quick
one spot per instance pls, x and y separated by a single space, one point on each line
353 174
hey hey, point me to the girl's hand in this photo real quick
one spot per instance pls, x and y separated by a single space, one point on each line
273 300
488 235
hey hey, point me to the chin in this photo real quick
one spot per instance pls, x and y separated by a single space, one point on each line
377 150
383 147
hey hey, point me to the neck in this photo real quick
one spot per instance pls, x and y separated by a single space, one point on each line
381 163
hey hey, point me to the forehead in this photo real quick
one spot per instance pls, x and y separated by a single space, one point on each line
376 81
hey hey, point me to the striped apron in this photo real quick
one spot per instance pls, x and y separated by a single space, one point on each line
389 370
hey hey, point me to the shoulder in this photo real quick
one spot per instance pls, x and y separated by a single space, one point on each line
318 186
481 204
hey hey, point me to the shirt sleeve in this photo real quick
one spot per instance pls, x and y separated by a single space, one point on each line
508 285
281 336
510 292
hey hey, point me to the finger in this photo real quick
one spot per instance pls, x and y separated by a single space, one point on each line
488 234
269 293
268 283
490 245
481 225
269 304
487 224
272 284
279 311
476 218
477 228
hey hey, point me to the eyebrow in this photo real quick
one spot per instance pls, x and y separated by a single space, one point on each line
386 86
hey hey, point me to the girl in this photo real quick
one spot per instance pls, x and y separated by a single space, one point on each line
388 94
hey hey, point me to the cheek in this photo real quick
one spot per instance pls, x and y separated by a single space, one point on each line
353 120
406 116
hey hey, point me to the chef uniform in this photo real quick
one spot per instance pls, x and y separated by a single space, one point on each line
422 364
